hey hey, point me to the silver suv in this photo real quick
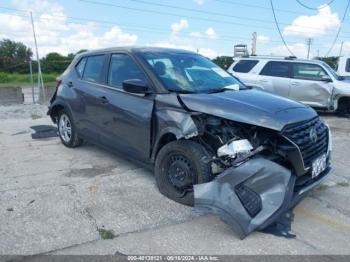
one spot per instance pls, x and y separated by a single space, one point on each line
311 82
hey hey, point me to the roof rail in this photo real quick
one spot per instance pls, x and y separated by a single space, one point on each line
270 56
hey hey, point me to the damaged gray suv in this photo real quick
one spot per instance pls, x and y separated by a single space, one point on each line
243 154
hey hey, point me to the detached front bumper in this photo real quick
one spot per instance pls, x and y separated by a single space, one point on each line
253 195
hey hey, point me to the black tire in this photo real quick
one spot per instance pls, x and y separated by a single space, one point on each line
179 165
74 140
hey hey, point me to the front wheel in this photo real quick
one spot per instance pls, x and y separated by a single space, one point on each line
67 131
179 165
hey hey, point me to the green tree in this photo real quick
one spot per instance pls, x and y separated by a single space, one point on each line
14 56
332 61
55 63
223 61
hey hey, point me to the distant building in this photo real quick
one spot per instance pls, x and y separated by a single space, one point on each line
240 50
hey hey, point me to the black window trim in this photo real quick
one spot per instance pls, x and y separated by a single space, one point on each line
274 61
306 63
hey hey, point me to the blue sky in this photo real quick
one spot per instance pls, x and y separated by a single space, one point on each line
212 27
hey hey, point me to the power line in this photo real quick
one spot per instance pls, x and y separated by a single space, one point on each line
222 37
339 29
152 11
279 30
101 3
314 8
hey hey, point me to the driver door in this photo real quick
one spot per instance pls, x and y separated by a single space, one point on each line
308 85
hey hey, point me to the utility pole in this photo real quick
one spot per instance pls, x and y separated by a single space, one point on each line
40 77
31 78
308 43
254 43
341 48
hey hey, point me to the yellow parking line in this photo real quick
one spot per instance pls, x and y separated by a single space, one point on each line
322 219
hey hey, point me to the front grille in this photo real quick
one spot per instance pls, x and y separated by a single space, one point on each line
299 133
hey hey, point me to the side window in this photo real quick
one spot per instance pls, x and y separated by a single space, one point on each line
79 68
347 67
308 71
122 68
244 66
274 68
93 68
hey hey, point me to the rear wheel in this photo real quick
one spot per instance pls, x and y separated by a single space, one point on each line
180 165
67 131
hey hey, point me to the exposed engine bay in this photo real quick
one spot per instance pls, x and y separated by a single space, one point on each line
256 179
230 143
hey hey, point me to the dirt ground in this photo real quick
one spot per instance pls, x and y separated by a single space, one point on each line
55 200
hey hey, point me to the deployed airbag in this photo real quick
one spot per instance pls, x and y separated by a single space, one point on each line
246 196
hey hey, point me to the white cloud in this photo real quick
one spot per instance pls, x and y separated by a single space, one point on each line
196 34
262 39
315 25
210 32
199 2
179 26
208 52
38 5
55 33
298 49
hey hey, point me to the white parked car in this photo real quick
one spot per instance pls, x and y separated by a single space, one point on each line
344 66
311 82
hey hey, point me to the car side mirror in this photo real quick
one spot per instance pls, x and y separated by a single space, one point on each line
135 86
326 79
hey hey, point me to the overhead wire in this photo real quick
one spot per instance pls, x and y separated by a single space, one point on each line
279 30
315 8
339 29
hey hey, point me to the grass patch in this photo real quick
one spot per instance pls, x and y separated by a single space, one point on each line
322 187
16 79
106 234
35 116
343 184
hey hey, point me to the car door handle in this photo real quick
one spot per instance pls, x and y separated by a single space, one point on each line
295 83
70 84
263 80
104 100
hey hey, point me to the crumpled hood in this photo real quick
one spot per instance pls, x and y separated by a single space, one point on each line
251 107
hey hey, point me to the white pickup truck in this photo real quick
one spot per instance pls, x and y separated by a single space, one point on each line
344 66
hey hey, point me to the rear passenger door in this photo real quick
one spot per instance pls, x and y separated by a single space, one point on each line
87 105
275 78
307 85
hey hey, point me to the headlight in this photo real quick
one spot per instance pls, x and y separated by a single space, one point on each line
234 148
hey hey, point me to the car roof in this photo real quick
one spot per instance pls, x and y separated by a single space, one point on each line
136 49
280 59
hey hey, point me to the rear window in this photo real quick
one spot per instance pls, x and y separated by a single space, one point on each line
244 66
274 68
347 67
79 68
93 68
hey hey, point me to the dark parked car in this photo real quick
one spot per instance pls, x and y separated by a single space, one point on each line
244 154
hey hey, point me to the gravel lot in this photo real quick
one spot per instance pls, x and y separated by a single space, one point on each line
55 200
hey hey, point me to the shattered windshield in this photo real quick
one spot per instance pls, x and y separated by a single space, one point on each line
190 73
